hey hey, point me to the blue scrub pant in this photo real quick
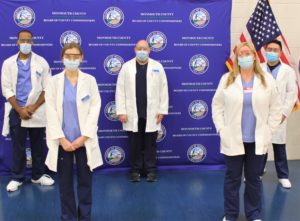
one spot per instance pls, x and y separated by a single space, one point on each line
18 136
252 164
69 210
280 159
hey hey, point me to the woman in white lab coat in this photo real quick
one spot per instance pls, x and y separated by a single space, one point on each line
246 112
72 111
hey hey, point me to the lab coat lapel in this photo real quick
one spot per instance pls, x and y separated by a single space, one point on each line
149 77
132 76
256 83
35 72
60 93
238 82
279 74
14 70
81 88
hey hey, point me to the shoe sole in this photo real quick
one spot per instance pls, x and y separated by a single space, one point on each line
8 190
285 187
37 182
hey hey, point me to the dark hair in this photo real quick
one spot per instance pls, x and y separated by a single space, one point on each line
70 46
26 31
275 41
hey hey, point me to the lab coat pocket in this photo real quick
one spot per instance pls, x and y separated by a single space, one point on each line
84 102
225 137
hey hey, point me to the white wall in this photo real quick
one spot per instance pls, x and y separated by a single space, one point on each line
287 14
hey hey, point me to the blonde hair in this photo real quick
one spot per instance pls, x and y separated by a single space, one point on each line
256 65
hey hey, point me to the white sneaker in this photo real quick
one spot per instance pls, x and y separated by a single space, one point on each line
44 180
13 186
257 220
285 183
224 219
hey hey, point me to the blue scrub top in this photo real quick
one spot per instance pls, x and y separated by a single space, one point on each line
248 117
70 124
23 82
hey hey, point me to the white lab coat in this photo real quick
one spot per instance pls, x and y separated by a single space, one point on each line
88 114
40 74
157 95
287 89
227 106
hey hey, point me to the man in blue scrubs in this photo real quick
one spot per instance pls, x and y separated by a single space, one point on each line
285 79
23 79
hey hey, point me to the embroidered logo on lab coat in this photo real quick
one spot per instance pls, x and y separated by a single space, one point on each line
155 71
85 98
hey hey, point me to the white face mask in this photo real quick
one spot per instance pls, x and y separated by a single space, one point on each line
71 65
25 48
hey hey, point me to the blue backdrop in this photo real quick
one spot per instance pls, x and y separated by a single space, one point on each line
190 38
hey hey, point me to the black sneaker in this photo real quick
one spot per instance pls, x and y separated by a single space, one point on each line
135 177
151 177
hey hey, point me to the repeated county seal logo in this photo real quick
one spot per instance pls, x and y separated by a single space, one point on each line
113 64
198 109
24 17
68 37
196 153
114 155
199 18
110 111
157 40
161 134
199 64
113 17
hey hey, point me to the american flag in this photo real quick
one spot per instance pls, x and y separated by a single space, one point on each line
261 28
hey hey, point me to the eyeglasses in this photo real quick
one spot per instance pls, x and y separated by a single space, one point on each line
72 56
25 40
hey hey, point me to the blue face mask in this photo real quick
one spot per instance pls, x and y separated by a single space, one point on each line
245 62
142 55
25 48
272 56
71 65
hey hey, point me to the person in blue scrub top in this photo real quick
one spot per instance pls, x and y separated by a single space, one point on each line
24 77
285 78
246 112
72 111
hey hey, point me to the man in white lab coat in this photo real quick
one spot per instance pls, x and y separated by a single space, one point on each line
23 79
285 79
142 101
